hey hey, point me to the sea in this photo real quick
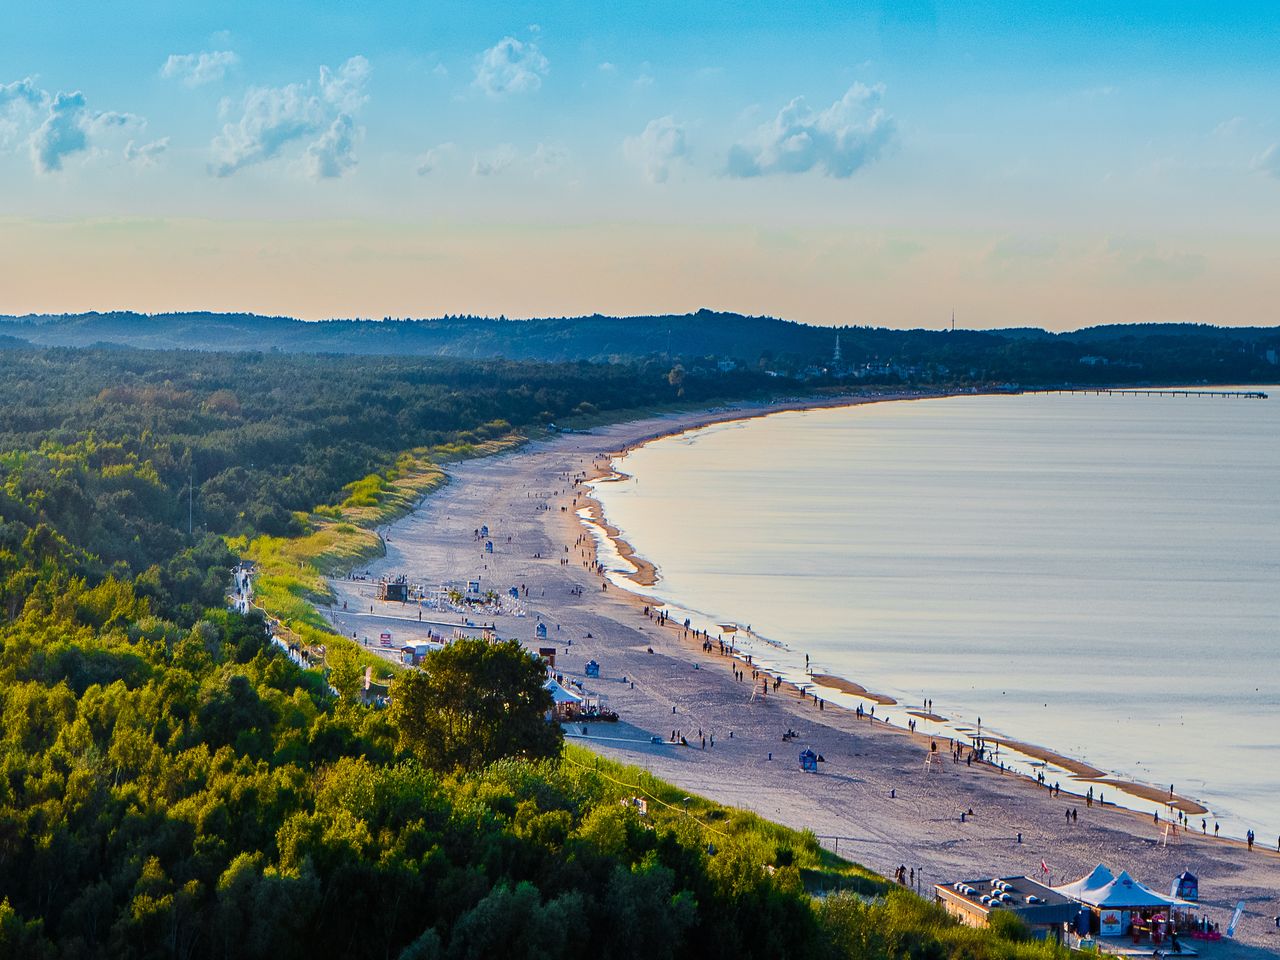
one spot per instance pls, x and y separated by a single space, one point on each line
1095 574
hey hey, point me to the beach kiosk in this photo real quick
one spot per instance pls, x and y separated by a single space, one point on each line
974 902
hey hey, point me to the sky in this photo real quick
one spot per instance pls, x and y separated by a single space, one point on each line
886 164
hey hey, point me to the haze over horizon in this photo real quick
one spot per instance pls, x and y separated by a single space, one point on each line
872 164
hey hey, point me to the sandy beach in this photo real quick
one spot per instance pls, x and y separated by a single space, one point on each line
875 798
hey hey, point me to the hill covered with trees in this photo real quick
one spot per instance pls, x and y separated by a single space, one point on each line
1158 353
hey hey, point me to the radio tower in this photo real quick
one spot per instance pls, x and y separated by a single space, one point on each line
835 356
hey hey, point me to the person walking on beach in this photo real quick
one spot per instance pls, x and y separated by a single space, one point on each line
1249 840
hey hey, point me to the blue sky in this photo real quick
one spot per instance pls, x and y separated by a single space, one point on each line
1021 163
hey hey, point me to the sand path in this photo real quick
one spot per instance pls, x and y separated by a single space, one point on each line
875 793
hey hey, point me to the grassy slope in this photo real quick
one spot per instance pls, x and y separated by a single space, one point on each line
292 570
865 914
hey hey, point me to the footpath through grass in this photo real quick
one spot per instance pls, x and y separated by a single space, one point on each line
290 583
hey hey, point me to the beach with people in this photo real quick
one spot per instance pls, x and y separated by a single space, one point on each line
884 792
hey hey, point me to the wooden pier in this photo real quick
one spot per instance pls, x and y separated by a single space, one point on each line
1157 392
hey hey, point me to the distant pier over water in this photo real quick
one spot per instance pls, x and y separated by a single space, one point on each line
1156 392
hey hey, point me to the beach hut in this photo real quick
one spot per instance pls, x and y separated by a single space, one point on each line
808 761
394 591
592 669
1186 886
540 631
488 546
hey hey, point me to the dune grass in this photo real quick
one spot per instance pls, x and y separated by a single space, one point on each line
290 584
759 840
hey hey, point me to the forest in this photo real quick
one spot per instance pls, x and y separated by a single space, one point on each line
1114 354
174 787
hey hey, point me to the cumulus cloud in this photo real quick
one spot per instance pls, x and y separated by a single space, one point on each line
321 115
19 103
661 143
197 69
511 66
428 161
57 126
22 91
838 141
333 154
61 134
145 154
344 89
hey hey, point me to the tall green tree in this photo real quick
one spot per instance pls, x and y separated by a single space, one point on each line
474 702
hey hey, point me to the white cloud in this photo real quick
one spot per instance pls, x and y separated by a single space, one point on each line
429 160
544 159
495 161
19 103
20 91
57 126
197 69
607 67
511 66
333 154
839 141
660 144
1268 161
61 134
145 154
273 118
1229 127
345 89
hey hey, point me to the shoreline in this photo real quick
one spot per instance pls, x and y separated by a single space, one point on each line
647 576
874 796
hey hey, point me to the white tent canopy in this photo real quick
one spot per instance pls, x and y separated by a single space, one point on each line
1096 879
1126 893
560 695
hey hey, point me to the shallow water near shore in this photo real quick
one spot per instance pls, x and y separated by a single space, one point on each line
1097 575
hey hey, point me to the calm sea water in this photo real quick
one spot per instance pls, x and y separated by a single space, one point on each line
1099 575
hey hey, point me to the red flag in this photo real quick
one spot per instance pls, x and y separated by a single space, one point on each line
1044 867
